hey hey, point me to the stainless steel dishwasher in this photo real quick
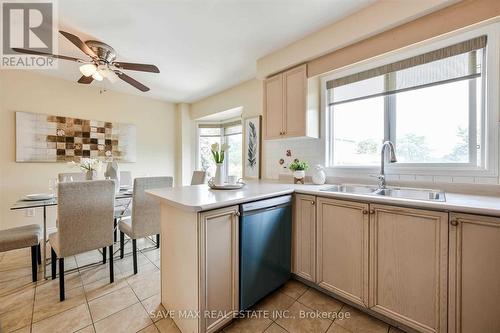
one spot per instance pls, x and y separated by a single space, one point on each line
265 247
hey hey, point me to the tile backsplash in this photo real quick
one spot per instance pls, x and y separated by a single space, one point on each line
304 149
312 151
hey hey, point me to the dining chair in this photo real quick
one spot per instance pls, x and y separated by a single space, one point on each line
125 178
123 206
198 177
145 217
71 176
21 237
84 223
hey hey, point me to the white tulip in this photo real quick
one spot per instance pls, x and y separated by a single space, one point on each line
225 147
215 147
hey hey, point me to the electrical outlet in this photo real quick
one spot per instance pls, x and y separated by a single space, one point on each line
30 212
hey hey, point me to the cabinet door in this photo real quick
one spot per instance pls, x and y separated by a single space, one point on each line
342 250
474 274
408 266
304 237
273 107
295 81
219 266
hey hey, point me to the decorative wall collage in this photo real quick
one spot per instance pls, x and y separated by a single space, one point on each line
49 138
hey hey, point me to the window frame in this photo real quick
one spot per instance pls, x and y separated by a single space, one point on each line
489 117
223 138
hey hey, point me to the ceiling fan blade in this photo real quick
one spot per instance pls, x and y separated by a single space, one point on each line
79 43
50 55
85 79
136 67
132 81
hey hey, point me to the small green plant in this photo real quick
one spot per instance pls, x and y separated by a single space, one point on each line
298 166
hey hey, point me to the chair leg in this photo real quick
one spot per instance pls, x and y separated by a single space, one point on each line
103 255
134 254
122 241
115 236
158 241
39 251
34 266
53 260
111 272
61 279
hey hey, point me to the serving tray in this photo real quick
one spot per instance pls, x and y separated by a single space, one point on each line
239 184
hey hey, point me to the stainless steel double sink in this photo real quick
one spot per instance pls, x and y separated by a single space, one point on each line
393 192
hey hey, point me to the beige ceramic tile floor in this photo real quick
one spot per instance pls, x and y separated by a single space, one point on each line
94 305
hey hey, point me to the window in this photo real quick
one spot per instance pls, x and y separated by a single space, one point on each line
430 106
230 133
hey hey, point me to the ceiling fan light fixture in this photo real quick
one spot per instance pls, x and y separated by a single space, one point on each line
88 69
96 76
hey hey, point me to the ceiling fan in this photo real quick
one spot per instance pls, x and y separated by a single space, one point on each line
102 65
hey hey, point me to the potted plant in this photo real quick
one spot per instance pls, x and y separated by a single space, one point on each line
299 170
218 155
89 166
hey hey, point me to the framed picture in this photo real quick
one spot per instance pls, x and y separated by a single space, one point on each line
252 147
50 138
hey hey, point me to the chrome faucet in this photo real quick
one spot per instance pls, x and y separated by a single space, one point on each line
392 159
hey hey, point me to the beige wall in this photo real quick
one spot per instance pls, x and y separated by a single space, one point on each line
247 95
374 19
449 19
26 91
186 133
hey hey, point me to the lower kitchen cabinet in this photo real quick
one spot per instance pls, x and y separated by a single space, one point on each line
409 266
218 267
304 237
474 274
342 248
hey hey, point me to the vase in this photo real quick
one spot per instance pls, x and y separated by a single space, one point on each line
318 175
89 175
219 174
298 176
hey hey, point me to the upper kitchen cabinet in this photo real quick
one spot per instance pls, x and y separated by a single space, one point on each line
291 105
474 274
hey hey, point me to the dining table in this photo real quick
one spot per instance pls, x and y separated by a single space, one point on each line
22 204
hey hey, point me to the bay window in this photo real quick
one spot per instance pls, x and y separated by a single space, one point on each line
230 133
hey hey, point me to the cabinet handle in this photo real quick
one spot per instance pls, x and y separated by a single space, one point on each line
454 222
237 214
365 211
372 211
313 203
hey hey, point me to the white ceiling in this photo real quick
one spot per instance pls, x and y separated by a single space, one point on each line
200 46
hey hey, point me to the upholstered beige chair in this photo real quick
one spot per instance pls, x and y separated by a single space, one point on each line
85 223
198 177
145 218
71 176
21 237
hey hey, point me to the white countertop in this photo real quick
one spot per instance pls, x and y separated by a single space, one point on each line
201 197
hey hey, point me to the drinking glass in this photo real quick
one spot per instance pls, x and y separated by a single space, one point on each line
53 185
